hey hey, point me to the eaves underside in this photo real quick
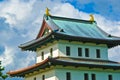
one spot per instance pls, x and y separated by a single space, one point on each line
57 36
103 64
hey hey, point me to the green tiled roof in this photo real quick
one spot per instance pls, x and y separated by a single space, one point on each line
75 27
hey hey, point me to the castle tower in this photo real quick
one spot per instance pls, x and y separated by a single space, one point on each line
70 49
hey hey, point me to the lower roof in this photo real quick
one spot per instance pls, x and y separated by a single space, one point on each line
66 61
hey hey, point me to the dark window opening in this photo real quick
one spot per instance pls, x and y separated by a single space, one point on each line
68 51
79 51
86 52
110 77
68 76
43 77
42 55
93 77
51 52
85 76
97 53
34 78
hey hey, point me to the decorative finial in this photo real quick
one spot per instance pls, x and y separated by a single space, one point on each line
47 12
91 17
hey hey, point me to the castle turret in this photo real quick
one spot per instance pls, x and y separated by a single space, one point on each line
70 49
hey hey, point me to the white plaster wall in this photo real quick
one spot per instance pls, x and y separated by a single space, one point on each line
59 49
49 75
46 51
77 74
92 50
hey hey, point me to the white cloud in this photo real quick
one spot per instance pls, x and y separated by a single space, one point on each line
7 56
16 12
66 10
114 54
111 27
107 8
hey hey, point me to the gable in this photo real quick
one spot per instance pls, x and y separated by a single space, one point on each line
45 29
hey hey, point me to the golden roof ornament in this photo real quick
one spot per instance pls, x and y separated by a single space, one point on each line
47 12
91 17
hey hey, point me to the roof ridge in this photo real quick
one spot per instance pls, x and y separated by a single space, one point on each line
73 19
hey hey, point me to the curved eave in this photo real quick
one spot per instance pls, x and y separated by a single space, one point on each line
56 61
110 43
30 69
58 36
36 43
75 64
65 63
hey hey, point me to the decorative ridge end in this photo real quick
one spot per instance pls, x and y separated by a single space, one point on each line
47 12
91 18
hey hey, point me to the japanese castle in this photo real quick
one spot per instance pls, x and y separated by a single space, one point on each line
70 49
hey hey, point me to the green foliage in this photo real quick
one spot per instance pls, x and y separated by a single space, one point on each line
3 76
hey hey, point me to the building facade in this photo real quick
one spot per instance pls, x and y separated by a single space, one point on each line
70 49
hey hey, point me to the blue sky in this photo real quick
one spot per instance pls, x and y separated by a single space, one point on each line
20 21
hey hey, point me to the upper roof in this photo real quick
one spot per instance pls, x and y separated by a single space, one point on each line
77 27
69 28
66 61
